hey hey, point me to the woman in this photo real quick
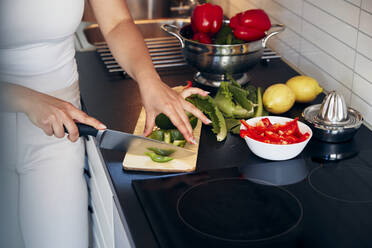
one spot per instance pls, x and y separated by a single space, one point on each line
43 192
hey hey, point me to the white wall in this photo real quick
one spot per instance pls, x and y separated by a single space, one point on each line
329 40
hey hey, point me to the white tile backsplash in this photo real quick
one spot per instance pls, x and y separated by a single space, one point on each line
257 3
339 8
286 51
324 79
363 66
328 43
365 45
293 5
238 6
366 22
362 88
319 57
283 15
329 40
337 28
290 37
355 2
367 5
363 107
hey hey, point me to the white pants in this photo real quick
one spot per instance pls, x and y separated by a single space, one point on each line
43 193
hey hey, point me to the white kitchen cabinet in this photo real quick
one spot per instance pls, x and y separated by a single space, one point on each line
120 235
107 228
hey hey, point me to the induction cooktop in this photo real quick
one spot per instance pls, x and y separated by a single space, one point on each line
296 203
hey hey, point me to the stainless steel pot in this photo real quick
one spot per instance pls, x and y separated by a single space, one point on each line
214 61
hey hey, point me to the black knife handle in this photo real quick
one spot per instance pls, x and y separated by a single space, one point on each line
85 130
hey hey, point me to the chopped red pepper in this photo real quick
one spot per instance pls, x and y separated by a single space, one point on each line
272 136
266 122
189 84
245 123
207 18
276 133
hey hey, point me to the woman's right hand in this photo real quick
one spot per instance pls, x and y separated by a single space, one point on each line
52 115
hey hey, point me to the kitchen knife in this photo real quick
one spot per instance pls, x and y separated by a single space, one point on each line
130 143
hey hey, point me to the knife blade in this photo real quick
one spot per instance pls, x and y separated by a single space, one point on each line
130 143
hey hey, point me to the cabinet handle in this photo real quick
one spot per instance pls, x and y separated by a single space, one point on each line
87 172
90 209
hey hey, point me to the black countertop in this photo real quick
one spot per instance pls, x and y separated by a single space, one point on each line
116 102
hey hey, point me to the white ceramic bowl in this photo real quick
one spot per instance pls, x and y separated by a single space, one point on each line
274 151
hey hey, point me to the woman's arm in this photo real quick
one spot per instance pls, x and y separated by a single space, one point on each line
48 113
129 49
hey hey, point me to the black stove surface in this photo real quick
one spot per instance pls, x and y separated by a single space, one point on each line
296 203
221 211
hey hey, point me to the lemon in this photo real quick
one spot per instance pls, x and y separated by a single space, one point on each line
305 88
278 98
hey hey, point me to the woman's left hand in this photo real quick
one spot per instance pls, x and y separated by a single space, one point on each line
158 98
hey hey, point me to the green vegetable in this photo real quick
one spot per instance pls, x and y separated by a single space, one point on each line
251 93
180 143
221 36
229 39
162 152
176 134
240 96
225 102
157 135
163 122
232 80
158 158
235 130
226 37
259 103
167 137
207 105
193 121
233 125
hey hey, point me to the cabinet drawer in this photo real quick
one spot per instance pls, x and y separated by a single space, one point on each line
98 175
120 234
97 232
104 218
97 240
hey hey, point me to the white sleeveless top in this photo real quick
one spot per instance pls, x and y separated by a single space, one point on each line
36 42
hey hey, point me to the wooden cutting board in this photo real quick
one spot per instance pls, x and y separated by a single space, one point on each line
144 163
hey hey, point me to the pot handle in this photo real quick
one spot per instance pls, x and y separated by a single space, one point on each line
278 29
173 30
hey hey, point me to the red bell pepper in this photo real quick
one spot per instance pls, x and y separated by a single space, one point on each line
235 20
266 122
256 19
274 137
207 18
276 133
248 34
250 25
245 123
202 38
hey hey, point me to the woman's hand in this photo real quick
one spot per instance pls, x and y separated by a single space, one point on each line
129 49
52 115
158 98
